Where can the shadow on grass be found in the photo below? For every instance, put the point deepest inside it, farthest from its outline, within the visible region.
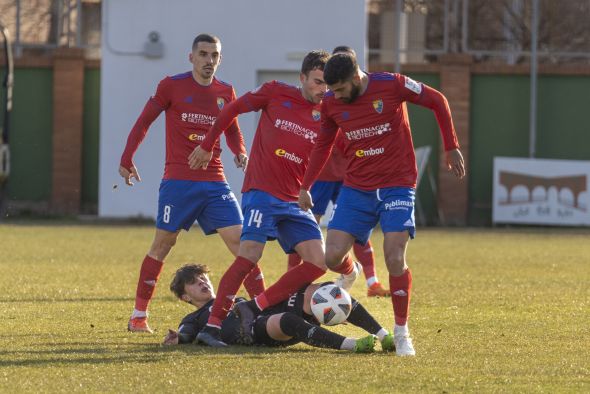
(77, 299)
(145, 353)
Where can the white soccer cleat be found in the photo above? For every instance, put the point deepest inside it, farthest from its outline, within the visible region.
(346, 281)
(403, 345)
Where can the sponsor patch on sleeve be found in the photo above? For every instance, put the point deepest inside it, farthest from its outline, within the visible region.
(414, 86)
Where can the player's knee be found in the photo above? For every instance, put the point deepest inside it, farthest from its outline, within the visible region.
(334, 256)
(290, 323)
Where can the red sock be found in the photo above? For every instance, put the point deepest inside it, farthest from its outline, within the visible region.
(293, 261)
(254, 282)
(346, 266)
(401, 288)
(228, 287)
(364, 255)
(148, 277)
(289, 283)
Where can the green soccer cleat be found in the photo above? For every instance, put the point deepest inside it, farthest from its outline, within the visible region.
(387, 344)
(365, 345)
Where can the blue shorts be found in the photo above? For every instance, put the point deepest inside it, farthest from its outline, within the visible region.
(322, 192)
(181, 203)
(268, 218)
(357, 211)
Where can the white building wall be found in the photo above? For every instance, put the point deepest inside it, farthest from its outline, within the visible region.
(259, 37)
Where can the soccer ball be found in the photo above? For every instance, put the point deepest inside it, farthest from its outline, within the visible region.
(331, 304)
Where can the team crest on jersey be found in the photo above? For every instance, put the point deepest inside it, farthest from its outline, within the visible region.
(316, 115)
(378, 105)
(345, 115)
(220, 102)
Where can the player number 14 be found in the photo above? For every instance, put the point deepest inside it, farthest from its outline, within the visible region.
(255, 217)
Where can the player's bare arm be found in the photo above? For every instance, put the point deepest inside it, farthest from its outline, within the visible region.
(127, 174)
(455, 163)
(305, 200)
(199, 158)
(241, 161)
(171, 338)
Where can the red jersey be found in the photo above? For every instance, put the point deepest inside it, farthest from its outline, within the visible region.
(335, 168)
(286, 133)
(377, 132)
(190, 109)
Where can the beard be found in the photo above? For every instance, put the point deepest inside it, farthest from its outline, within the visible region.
(354, 93)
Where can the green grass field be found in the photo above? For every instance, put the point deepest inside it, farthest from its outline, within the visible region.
(492, 311)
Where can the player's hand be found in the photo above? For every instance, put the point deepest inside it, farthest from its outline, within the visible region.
(171, 338)
(455, 163)
(305, 200)
(128, 174)
(199, 158)
(241, 161)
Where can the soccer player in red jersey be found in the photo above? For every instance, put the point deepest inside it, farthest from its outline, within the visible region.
(379, 185)
(191, 101)
(326, 189)
(287, 130)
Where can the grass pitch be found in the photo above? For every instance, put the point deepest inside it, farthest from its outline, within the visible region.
(492, 311)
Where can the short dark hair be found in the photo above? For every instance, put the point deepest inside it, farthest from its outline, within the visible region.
(314, 60)
(204, 37)
(185, 275)
(343, 49)
(340, 68)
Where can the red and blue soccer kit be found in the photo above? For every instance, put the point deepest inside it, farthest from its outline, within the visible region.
(380, 180)
(287, 130)
(187, 195)
(327, 187)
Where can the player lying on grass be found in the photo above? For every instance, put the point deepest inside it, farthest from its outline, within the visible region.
(285, 324)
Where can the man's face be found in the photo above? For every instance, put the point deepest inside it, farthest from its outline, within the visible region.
(347, 91)
(206, 58)
(313, 85)
(200, 291)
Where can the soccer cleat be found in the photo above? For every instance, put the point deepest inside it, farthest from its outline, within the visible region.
(377, 290)
(210, 336)
(139, 324)
(365, 345)
(403, 345)
(346, 281)
(246, 316)
(387, 344)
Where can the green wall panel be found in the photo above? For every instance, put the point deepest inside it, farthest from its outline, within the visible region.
(90, 138)
(563, 129)
(31, 127)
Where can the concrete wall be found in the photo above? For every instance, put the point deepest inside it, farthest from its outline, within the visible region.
(257, 36)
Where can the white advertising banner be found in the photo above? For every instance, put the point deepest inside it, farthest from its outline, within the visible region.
(540, 191)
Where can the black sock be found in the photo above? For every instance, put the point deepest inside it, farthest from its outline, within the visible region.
(363, 319)
(306, 332)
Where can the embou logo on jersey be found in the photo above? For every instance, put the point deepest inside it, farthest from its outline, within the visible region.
(289, 156)
(378, 105)
(220, 102)
(316, 115)
(345, 115)
(188, 99)
(196, 137)
(369, 152)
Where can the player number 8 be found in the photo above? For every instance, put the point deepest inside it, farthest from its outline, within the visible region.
(166, 217)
